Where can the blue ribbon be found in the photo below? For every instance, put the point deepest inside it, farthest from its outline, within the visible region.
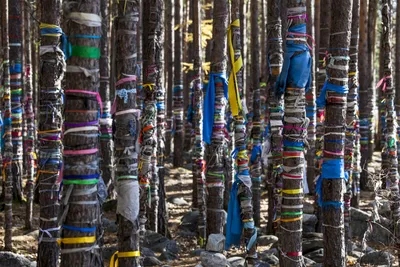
(15, 68)
(209, 102)
(80, 229)
(82, 177)
(234, 224)
(255, 152)
(321, 100)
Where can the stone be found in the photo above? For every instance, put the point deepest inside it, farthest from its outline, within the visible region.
(108, 252)
(236, 261)
(33, 264)
(309, 222)
(377, 258)
(190, 221)
(356, 254)
(312, 244)
(146, 252)
(10, 259)
(198, 265)
(34, 234)
(109, 226)
(211, 259)
(172, 247)
(273, 251)
(266, 240)
(196, 252)
(110, 205)
(308, 262)
(168, 256)
(151, 261)
(179, 201)
(313, 235)
(359, 215)
(154, 241)
(215, 243)
(270, 259)
(316, 255)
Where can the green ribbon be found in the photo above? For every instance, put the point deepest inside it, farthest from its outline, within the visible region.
(81, 182)
(85, 51)
(292, 213)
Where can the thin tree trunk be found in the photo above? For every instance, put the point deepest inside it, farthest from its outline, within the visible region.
(317, 21)
(178, 107)
(352, 130)
(397, 75)
(106, 142)
(325, 16)
(29, 138)
(335, 95)
(126, 134)
(311, 107)
(256, 138)
(275, 113)
(210, 42)
(294, 86)
(81, 214)
(264, 56)
(390, 167)
(199, 165)
(215, 122)
(169, 67)
(8, 147)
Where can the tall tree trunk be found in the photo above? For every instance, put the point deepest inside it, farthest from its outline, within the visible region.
(16, 71)
(169, 69)
(50, 121)
(325, 25)
(106, 142)
(214, 121)
(29, 138)
(126, 134)
(390, 167)
(199, 164)
(352, 130)
(275, 113)
(81, 216)
(255, 160)
(209, 16)
(178, 88)
(397, 76)
(7, 142)
(311, 107)
(317, 21)
(331, 182)
(293, 85)
(366, 96)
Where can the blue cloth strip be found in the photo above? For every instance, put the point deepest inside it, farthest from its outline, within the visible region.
(289, 143)
(321, 100)
(16, 68)
(79, 229)
(89, 176)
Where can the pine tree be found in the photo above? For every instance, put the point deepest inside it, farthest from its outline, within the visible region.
(169, 71)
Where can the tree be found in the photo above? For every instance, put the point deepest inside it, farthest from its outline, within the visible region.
(275, 113)
(331, 183)
(397, 74)
(293, 84)
(178, 87)
(126, 135)
(106, 142)
(199, 163)
(351, 163)
(81, 217)
(256, 138)
(7, 142)
(214, 121)
(169, 70)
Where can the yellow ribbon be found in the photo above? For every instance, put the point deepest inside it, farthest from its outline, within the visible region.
(76, 240)
(117, 254)
(150, 85)
(291, 219)
(49, 26)
(233, 90)
(293, 191)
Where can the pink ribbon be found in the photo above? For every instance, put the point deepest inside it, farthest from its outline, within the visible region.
(383, 81)
(303, 35)
(98, 97)
(81, 152)
(125, 80)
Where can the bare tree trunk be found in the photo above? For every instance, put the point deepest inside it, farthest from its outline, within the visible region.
(178, 89)
(169, 69)
(82, 182)
(275, 113)
(126, 134)
(214, 121)
(352, 130)
(29, 138)
(7, 142)
(311, 106)
(331, 183)
(106, 142)
(397, 75)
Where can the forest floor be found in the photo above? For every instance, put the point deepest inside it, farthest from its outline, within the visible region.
(178, 185)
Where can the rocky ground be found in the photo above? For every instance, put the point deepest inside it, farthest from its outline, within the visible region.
(182, 250)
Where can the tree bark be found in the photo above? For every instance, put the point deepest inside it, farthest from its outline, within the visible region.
(178, 88)
(332, 176)
(397, 76)
(215, 149)
(126, 134)
(169, 68)
(82, 182)
(275, 113)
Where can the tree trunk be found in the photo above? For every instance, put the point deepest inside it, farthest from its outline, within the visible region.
(82, 182)
(106, 142)
(178, 89)
(352, 130)
(397, 75)
(29, 138)
(275, 114)
(7, 142)
(390, 167)
(333, 176)
(199, 164)
(325, 16)
(169, 67)
(126, 134)
(311, 107)
(16, 71)
(215, 119)
(294, 86)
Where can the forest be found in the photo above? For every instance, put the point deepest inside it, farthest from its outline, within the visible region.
(199, 133)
